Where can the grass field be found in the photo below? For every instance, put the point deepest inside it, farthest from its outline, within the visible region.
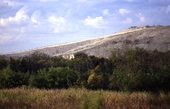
(23, 98)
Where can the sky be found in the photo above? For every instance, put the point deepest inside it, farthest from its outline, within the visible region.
(28, 24)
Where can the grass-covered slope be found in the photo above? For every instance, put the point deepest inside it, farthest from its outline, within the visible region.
(148, 37)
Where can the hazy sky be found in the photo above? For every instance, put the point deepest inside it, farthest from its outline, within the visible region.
(26, 24)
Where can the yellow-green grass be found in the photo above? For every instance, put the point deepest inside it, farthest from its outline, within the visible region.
(22, 98)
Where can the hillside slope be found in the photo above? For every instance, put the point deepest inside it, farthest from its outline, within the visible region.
(147, 37)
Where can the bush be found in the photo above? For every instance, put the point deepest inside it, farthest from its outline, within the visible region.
(10, 79)
(136, 70)
(3, 63)
(141, 70)
(58, 77)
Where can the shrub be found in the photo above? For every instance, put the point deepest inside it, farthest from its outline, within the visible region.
(10, 79)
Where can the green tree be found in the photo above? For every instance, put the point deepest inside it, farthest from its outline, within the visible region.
(58, 77)
(3, 63)
(10, 79)
(97, 79)
(61, 77)
(139, 69)
(40, 80)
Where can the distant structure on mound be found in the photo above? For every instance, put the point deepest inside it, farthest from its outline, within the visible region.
(146, 37)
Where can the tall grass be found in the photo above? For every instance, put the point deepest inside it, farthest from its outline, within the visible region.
(21, 98)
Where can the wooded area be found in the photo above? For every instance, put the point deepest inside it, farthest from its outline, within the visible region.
(136, 70)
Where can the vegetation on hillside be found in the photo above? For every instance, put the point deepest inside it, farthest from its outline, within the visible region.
(136, 70)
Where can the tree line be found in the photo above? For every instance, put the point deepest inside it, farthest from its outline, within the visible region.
(135, 70)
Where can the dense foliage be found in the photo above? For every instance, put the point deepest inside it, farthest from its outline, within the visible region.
(136, 70)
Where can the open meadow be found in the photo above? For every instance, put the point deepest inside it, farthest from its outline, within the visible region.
(25, 98)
